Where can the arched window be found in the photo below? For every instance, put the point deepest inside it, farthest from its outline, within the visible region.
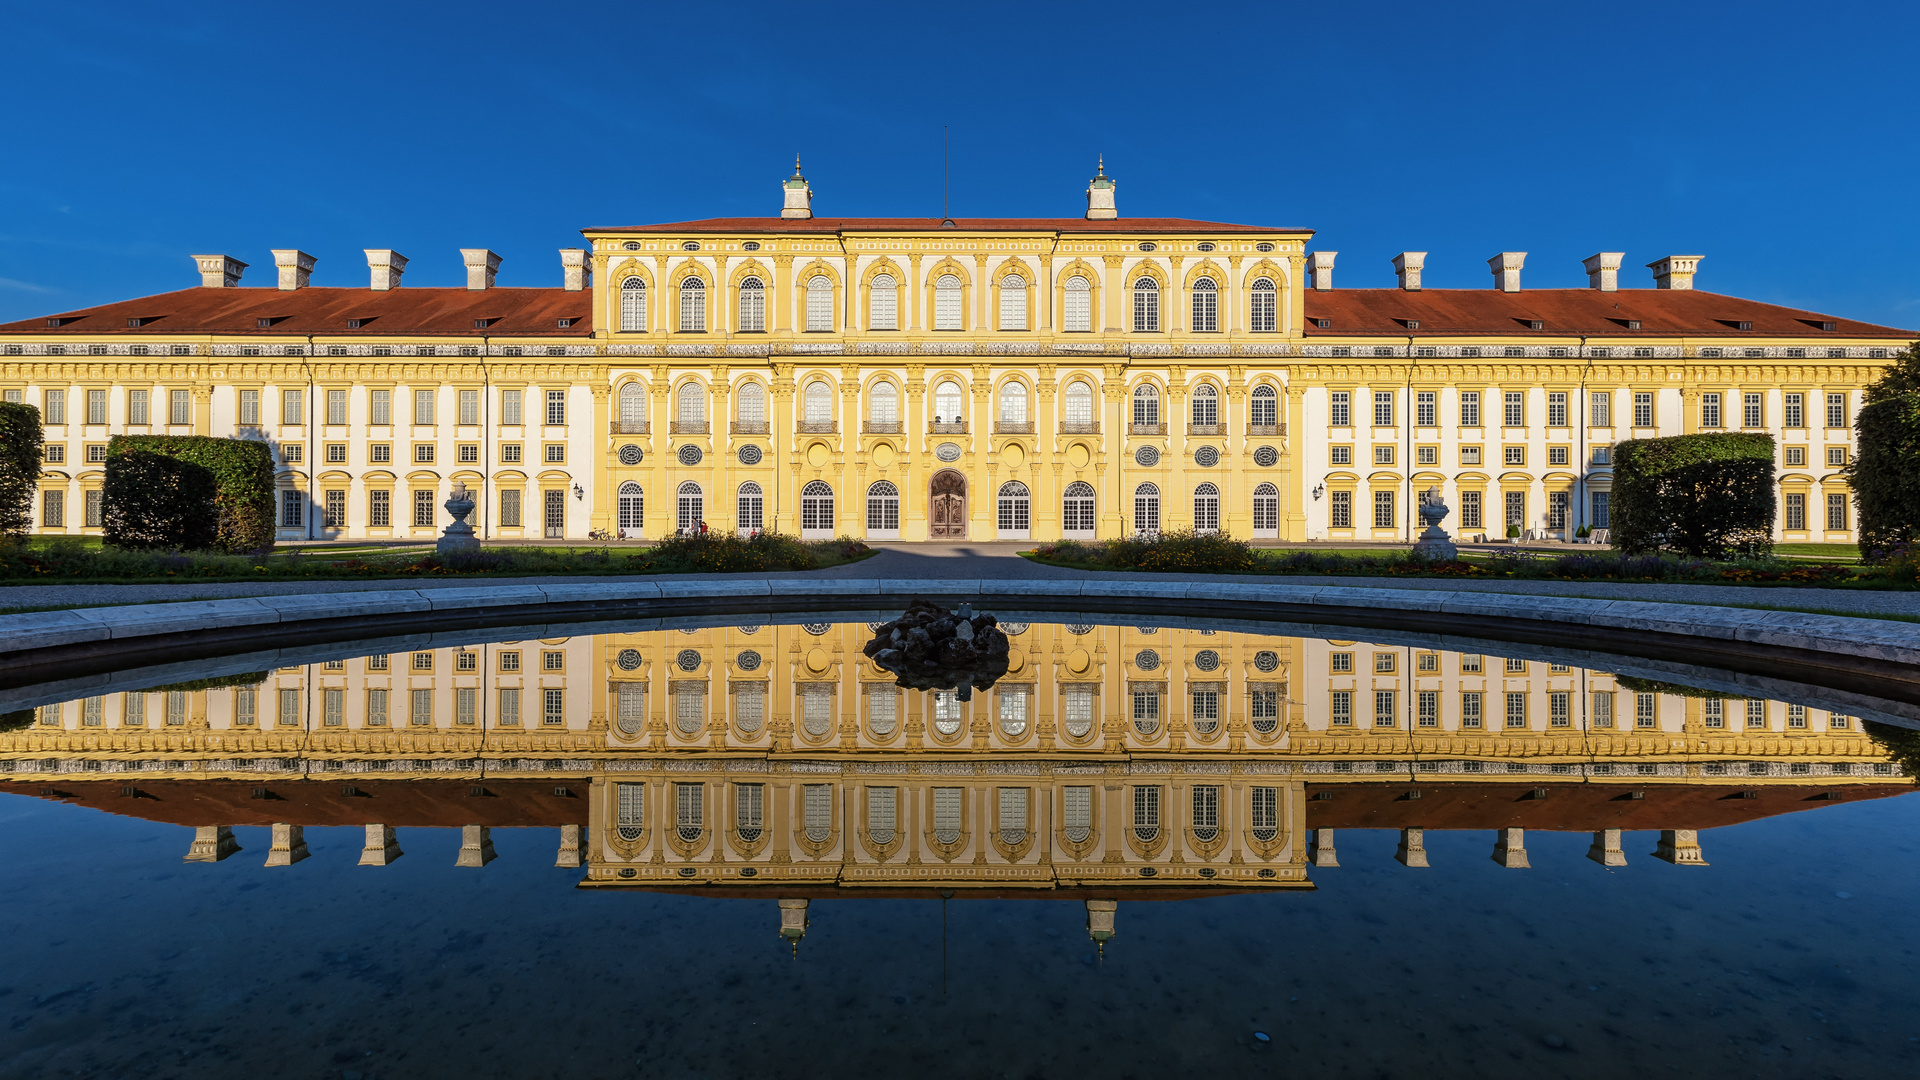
(820, 302)
(1266, 511)
(1206, 306)
(1146, 509)
(883, 305)
(883, 511)
(752, 509)
(1206, 405)
(1078, 412)
(946, 303)
(633, 304)
(691, 508)
(1146, 405)
(1264, 408)
(633, 507)
(816, 511)
(633, 409)
(1076, 511)
(753, 408)
(883, 408)
(1013, 302)
(753, 306)
(1077, 314)
(819, 403)
(1261, 311)
(947, 407)
(1146, 305)
(690, 408)
(1015, 510)
(1013, 406)
(1206, 508)
(693, 304)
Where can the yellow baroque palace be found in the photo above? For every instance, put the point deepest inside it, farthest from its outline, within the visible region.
(913, 379)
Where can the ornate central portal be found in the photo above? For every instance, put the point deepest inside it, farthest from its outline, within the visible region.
(948, 509)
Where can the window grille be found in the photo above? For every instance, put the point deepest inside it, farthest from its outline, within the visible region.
(883, 709)
(820, 302)
(1516, 709)
(1077, 814)
(1204, 710)
(753, 305)
(1146, 405)
(1079, 711)
(946, 814)
(816, 507)
(883, 405)
(1470, 408)
(1206, 508)
(693, 305)
(749, 709)
(1206, 406)
(1206, 813)
(818, 809)
(1146, 814)
(689, 805)
(1146, 709)
(1383, 515)
(946, 303)
(690, 508)
(630, 810)
(946, 712)
(1383, 408)
(749, 811)
(1263, 308)
(1514, 405)
(1013, 505)
(633, 305)
(555, 712)
(1206, 306)
(883, 304)
(1603, 708)
(881, 814)
(1146, 305)
(1265, 816)
(1013, 815)
(1013, 302)
(1146, 509)
(1470, 709)
(1077, 311)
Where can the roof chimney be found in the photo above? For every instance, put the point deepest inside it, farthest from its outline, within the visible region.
(1506, 269)
(1675, 271)
(1603, 270)
(799, 202)
(481, 266)
(574, 275)
(1320, 270)
(296, 268)
(387, 266)
(219, 271)
(1408, 265)
(1100, 205)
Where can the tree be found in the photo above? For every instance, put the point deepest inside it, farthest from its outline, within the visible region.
(243, 479)
(20, 450)
(1709, 496)
(1885, 472)
(155, 501)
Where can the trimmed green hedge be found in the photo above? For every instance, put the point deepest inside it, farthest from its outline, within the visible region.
(20, 450)
(1710, 496)
(242, 476)
(1885, 476)
(157, 503)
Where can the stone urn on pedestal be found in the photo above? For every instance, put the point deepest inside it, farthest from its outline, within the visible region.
(1434, 545)
(458, 537)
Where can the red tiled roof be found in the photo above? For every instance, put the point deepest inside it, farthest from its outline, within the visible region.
(1564, 312)
(1566, 807)
(326, 310)
(764, 225)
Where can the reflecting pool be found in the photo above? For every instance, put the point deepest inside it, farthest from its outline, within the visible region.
(1145, 849)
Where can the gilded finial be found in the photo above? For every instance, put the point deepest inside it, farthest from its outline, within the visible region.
(1101, 170)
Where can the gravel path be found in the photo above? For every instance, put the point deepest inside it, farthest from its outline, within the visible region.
(997, 560)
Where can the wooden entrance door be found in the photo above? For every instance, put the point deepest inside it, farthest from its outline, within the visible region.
(948, 512)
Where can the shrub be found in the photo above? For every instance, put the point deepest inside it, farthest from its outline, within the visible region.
(157, 502)
(243, 482)
(1885, 475)
(20, 449)
(1705, 495)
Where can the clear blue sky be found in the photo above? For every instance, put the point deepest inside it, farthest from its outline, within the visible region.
(1778, 140)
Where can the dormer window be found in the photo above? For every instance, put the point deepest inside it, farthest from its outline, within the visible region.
(58, 321)
(134, 324)
(1323, 324)
(563, 323)
(1536, 324)
(482, 324)
(1743, 325)
(263, 324)
(1633, 324)
(355, 324)
(1411, 324)
(1829, 326)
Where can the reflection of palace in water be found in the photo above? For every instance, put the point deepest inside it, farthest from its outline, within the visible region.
(1108, 761)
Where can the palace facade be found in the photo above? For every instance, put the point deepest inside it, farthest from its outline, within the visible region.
(913, 379)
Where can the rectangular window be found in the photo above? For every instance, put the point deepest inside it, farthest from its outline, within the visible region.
(510, 660)
(56, 409)
(1643, 410)
(1342, 712)
(1836, 410)
(1517, 509)
(1516, 709)
(377, 663)
(556, 453)
(293, 508)
(94, 507)
(1796, 512)
(1836, 512)
(1383, 708)
(1470, 408)
(382, 407)
(1794, 455)
(1713, 713)
(1836, 455)
(1750, 411)
(1426, 455)
(380, 509)
(1556, 410)
(947, 815)
(1796, 716)
(1602, 510)
(1644, 715)
(246, 705)
(1756, 713)
(510, 453)
(333, 707)
(1515, 455)
(55, 453)
(336, 453)
(553, 660)
(1340, 512)
(1709, 410)
(510, 508)
(1264, 705)
(1600, 409)
(469, 407)
(380, 453)
(292, 453)
(510, 707)
(249, 407)
(135, 713)
(1383, 663)
(1560, 708)
(555, 712)
(422, 508)
(1383, 408)
(336, 407)
(177, 708)
(1514, 404)
(1340, 455)
(1839, 722)
(510, 407)
(336, 509)
(423, 407)
(293, 407)
(1603, 708)
(1470, 517)
(181, 407)
(1383, 516)
(1794, 410)
(1557, 509)
(1515, 666)
(1383, 454)
(1469, 455)
(468, 453)
(1471, 664)
(96, 406)
(423, 453)
(289, 711)
(556, 408)
(1429, 708)
(1559, 455)
(1338, 413)
(1341, 662)
(1425, 413)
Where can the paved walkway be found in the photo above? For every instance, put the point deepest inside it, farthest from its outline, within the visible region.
(1000, 561)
